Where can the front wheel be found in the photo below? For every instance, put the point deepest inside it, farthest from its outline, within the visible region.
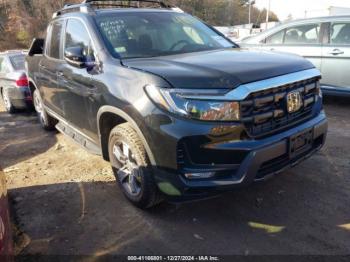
(46, 121)
(132, 168)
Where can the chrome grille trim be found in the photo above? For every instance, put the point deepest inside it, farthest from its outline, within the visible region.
(243, 91)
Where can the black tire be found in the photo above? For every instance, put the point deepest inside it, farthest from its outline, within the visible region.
(7, 103)
(46, 121)
(136, 169)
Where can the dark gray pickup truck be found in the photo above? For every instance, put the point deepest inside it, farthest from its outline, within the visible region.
(180, 111)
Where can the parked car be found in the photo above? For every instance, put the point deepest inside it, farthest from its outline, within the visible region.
(179, 110)
(14, 89)
(5, 225)
(324, 41)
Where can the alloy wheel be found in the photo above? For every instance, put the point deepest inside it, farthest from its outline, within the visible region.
(129, 174)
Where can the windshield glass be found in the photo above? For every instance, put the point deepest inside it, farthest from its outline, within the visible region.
(18, 62)
(149, 34)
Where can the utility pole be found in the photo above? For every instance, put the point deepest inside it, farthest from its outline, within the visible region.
(267, 13)
(250, 3)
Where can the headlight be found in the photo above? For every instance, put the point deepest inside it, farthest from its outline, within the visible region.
(180, 102)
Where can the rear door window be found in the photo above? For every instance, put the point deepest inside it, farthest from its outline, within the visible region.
(340, 33)
(54, 47)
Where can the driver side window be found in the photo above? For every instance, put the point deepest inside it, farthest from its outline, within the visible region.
(77, 36)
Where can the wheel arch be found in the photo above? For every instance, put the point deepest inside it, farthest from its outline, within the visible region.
(114, 117)
(32, 86)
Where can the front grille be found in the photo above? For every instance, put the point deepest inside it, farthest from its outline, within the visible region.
(265, 112)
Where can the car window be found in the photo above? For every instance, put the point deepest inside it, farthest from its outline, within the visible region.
(340, 33)
(55, 49)
(17, 62)
(303, 34)
(77, 36)
(3, 66)
(275, 39)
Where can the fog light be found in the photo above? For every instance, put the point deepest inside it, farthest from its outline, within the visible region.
(199, 175)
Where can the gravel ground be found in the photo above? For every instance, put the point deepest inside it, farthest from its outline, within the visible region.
(66, 201)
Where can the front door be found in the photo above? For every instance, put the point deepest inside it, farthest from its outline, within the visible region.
(78, 83)
(336, 56)
(303, 40)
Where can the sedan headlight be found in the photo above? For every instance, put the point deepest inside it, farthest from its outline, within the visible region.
(195, 104)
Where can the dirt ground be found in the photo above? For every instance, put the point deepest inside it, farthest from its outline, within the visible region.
(66, 201)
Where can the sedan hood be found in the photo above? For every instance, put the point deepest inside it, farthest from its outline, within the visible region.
(219, 68)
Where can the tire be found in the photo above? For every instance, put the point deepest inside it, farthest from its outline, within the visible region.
(7, 103)
(132, 168)
(46, 121)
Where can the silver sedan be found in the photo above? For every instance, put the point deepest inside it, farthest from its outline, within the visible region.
(14, 89)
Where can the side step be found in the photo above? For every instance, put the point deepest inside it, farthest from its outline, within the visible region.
(78, 138)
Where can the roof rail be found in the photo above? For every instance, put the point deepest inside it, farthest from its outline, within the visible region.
(15, 51)
(90, 5)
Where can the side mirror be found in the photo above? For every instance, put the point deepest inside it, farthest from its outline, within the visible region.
(75, 57)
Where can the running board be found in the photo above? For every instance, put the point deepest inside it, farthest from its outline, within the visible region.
(78, 138)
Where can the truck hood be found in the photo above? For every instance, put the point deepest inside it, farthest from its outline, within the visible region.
(226, 68)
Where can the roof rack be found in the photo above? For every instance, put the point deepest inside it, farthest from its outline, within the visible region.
(90, 5)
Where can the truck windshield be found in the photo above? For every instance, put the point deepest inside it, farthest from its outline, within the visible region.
(151, 34)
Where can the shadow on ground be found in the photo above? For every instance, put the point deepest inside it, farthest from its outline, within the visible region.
(304, 212)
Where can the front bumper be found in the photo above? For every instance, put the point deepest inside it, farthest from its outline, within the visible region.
(256, 160)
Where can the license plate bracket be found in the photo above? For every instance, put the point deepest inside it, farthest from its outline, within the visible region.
(300, 143)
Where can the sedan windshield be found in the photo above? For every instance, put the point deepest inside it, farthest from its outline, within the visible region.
(150, 34)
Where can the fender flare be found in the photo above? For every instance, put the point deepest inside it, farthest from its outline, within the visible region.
(122, 114)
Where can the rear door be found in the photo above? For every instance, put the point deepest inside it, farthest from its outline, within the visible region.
(50, 66)
(301, 39)
(336, 55)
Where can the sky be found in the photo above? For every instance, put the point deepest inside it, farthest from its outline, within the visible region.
(297, 7)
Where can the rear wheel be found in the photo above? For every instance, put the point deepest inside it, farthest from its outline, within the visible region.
(7, 103)
(132, 168)
(46, 121)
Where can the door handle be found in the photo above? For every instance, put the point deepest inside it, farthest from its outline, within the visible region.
(60, 74)
(336, 52)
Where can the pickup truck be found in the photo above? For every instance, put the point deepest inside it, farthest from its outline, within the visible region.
(180, 111)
